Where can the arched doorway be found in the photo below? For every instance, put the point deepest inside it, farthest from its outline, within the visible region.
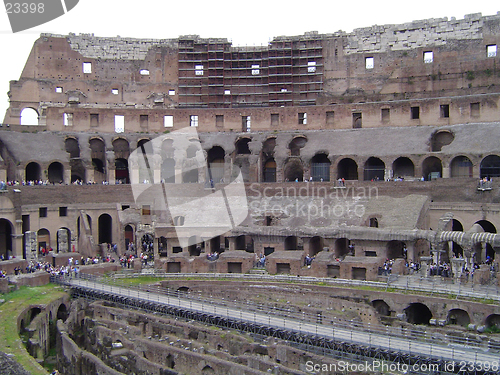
(98, 156)
(215, 160)
(490, 166)
(6, 231)
(269, 170)
(29, 116)
(432, 168)
(129, 238)
(458, 317)
(33, 172)
(461, 166)
(403, 168)
(43, 236)
(418, 313)
(320, 167)
(347, 169)
(105, 223)
(294, 170)
(78, 172)
(56, 173)
(374, 169)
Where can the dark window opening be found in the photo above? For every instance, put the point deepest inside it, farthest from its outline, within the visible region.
(415, 113)
(356, 120)
(444, 110)
(474, 109)
(42, 212)
(63, 211)
(330, 117)
(386, 114)
(303, 118)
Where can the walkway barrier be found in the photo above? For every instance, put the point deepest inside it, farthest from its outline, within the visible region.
(348, 340)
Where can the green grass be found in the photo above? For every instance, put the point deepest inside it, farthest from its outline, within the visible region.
(15, 303)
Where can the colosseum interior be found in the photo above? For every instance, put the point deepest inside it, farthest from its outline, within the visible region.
(333, 156)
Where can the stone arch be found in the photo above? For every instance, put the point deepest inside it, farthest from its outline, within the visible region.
(55, 173)
(492, 320)
(242, 146)
(374, 169)
(422, 247)
(105, 225)
(62, 312)
(6, 232)
(33, 172)
(458, 317)
(296, 144)
(381, 307)
(121, 148)
(77, 168)
(461, 166)
(129, 235)
(98, 157)
(320, 167)
(432, 168)
(403, 167)
(269, 170)
(268, 146)
(215, 164)
(490, 166)
(294, 170)
(347, 169)
(441, 138)
(80, 225)
(29, 116)
(43, 236)
(373, 222)
(418, 313)
(207, 370)
(488, 227)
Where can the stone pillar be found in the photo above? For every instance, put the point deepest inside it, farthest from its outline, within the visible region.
(424, 265)
(232, 243)
(457, 265)
(446, 172)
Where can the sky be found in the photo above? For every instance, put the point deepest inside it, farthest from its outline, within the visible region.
(245, 23)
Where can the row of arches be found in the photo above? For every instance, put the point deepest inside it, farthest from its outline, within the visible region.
(419, 313)
(293, 168)
(375, 169)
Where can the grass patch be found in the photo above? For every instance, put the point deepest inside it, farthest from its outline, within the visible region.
(15, 303)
